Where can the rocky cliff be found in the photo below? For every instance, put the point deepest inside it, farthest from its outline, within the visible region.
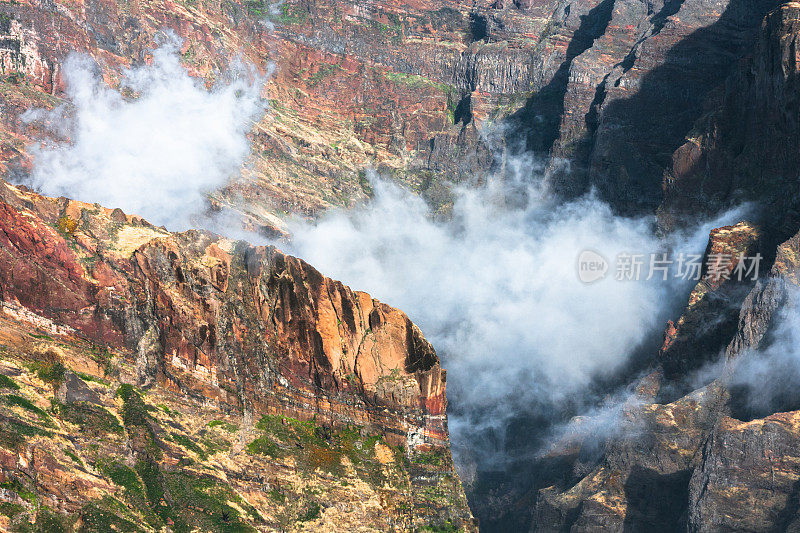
(719, 457)
(746, 146)
(706, 461)
(612, 87)
(152, 379)
(246, 369)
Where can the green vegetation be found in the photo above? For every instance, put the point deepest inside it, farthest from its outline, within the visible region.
(49, 369)
(74, 457)
(52, 373)
(19, 401)
(104, 358)
(104, 516)
(451, 108)
(288, 13)
(11, 509)
(189, 55)
(400, 456)
(197, 503)
(265, 446)
(415, 81)
(215, 445)
(154, 489)
(5, 22)
(88, 377)
(182, 499)
(445, 527)
(286, 428)
(311, 512)
(15, 77)
(418, 82)
(226, 426)
(134, 494)
(435, 457)
(190, 445)
(291, 14)
(13, 432)
(257, 8)
(393, 30)
(8, 383)
(315, 446)
(323, 72)
(47, 521)
(123, 476)
(138, 421)
(16, 486)
(277, 496)
(363, 182)
(167, 410)
(24, 403)
(92, 419)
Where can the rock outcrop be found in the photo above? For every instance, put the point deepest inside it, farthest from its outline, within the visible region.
(703, 462)
(746, 147)
(226, 383)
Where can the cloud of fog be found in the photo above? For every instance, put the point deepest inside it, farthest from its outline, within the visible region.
(769, 377)
(615, 415)
(496, 290)
(157, 154)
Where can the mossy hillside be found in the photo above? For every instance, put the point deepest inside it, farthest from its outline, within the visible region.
(150, 496)
(189, 502)
(14, 400)
(158, 457)
(20, 418)
(90, 418)
(14, 433)
(138, 422)
(8, 383)
(316, 446)
(225, 426)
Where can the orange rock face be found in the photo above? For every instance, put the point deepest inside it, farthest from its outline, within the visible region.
(234, 330)
(244, 326)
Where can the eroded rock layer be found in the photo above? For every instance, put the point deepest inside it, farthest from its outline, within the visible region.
(153, 379)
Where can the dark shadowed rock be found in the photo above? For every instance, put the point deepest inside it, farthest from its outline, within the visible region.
(74, 389)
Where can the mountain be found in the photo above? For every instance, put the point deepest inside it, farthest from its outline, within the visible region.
(613, 86)
(154, 379)
(211, 360)
(720, 457)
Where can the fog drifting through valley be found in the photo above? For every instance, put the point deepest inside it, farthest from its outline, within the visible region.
(495, 288)
(496, 291)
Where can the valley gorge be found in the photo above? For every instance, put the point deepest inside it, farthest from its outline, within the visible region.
(160, 378)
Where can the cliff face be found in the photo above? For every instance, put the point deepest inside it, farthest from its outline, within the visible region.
(706, 461)
(746, 147)
(711, 460)
(611, 86)
(693, 451)
(156, 379)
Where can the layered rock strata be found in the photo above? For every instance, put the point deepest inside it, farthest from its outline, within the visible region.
(135, 360)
